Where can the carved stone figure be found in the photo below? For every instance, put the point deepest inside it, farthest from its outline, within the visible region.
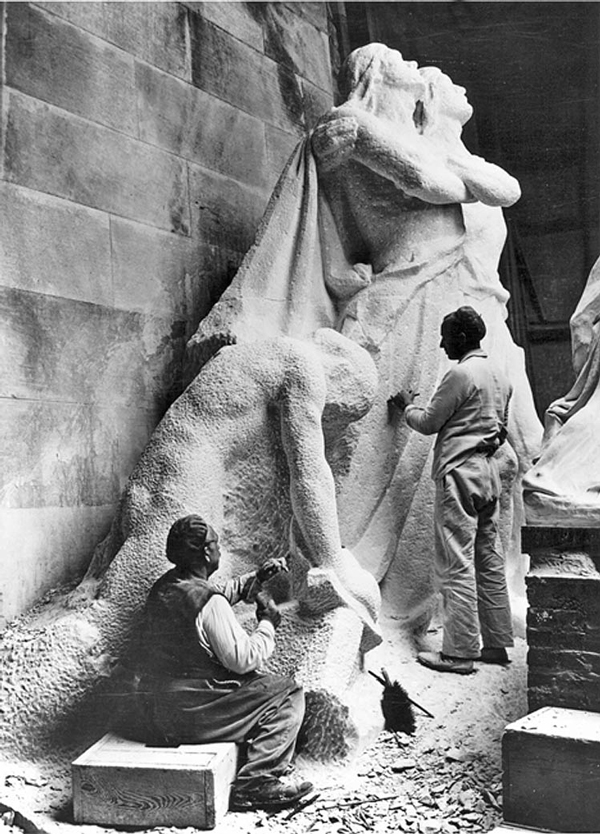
(445, 111)
(398, 178)
(364, 234)
(563, 488)
(244, 444)
(398, 224)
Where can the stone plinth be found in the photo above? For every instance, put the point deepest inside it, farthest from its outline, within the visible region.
(118, 782)
(551, 770)
(563, 619)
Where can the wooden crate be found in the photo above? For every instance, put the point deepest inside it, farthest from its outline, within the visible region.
(126, 783)
(551, 770)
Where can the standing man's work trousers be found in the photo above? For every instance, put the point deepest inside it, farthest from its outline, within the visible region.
(469, 564)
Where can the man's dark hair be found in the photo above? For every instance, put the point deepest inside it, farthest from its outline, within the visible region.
(467, 321)
(186, 537)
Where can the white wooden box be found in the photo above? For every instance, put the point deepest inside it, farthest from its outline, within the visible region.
(120, 782)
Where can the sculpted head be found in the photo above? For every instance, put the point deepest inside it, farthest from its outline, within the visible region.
(443, 100)
(193, 543)
(375, 65)
(350, 374)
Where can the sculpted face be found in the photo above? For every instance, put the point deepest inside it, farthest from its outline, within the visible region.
(451, 98)
(401, 73)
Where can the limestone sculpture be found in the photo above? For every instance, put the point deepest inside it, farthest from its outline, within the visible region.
(423, 245)
(364, 234)
(244, 444)
(563, 488)
(395, 218)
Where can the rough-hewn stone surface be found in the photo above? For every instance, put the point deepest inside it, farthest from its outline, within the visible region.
(140, 143)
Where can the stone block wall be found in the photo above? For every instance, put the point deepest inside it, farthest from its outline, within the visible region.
(140, 143)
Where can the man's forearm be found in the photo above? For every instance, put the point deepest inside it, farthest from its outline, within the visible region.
(238, 587)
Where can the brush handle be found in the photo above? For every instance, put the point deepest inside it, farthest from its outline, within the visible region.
(426, 711)
(377, 678)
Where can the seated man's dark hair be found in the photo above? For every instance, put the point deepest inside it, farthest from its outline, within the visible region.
(186, 537)
(467, 321)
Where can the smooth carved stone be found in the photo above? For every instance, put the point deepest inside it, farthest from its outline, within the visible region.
(563, 488)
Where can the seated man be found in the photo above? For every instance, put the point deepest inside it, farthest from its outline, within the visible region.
(198, 672)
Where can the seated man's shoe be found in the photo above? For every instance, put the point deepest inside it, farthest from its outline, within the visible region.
(269, 795)
(498, 656)
(444, 663)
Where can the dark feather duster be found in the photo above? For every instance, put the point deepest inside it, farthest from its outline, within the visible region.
(396, 706)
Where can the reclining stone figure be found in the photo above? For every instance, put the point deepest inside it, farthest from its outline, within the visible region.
(245, 446)
(244, 443)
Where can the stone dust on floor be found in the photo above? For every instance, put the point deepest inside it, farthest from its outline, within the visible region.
(445, 778)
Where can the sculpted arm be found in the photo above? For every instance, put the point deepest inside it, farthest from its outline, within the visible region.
(488, 183)
(408, 161)
(311, 481)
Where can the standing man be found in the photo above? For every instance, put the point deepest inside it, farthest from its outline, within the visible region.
(198, 672)
(469, 412)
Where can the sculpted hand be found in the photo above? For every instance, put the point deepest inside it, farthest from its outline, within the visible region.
(266, 609)
(271, 568)
(333, 142)
(403, 398)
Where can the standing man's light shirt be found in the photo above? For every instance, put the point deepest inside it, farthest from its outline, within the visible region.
(468, 411)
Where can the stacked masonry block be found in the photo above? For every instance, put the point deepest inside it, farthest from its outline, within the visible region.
(563, 619)
(139, 146)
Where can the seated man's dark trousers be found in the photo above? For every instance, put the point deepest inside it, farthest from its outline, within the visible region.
(188, 697)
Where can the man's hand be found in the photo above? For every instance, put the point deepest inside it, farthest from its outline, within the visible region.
(266, 609)
(270, 569)
(403, 398)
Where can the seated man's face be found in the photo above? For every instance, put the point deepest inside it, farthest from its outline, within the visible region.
(212, 551)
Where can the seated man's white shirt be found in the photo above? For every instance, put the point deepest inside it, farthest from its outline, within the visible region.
(220, 634)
